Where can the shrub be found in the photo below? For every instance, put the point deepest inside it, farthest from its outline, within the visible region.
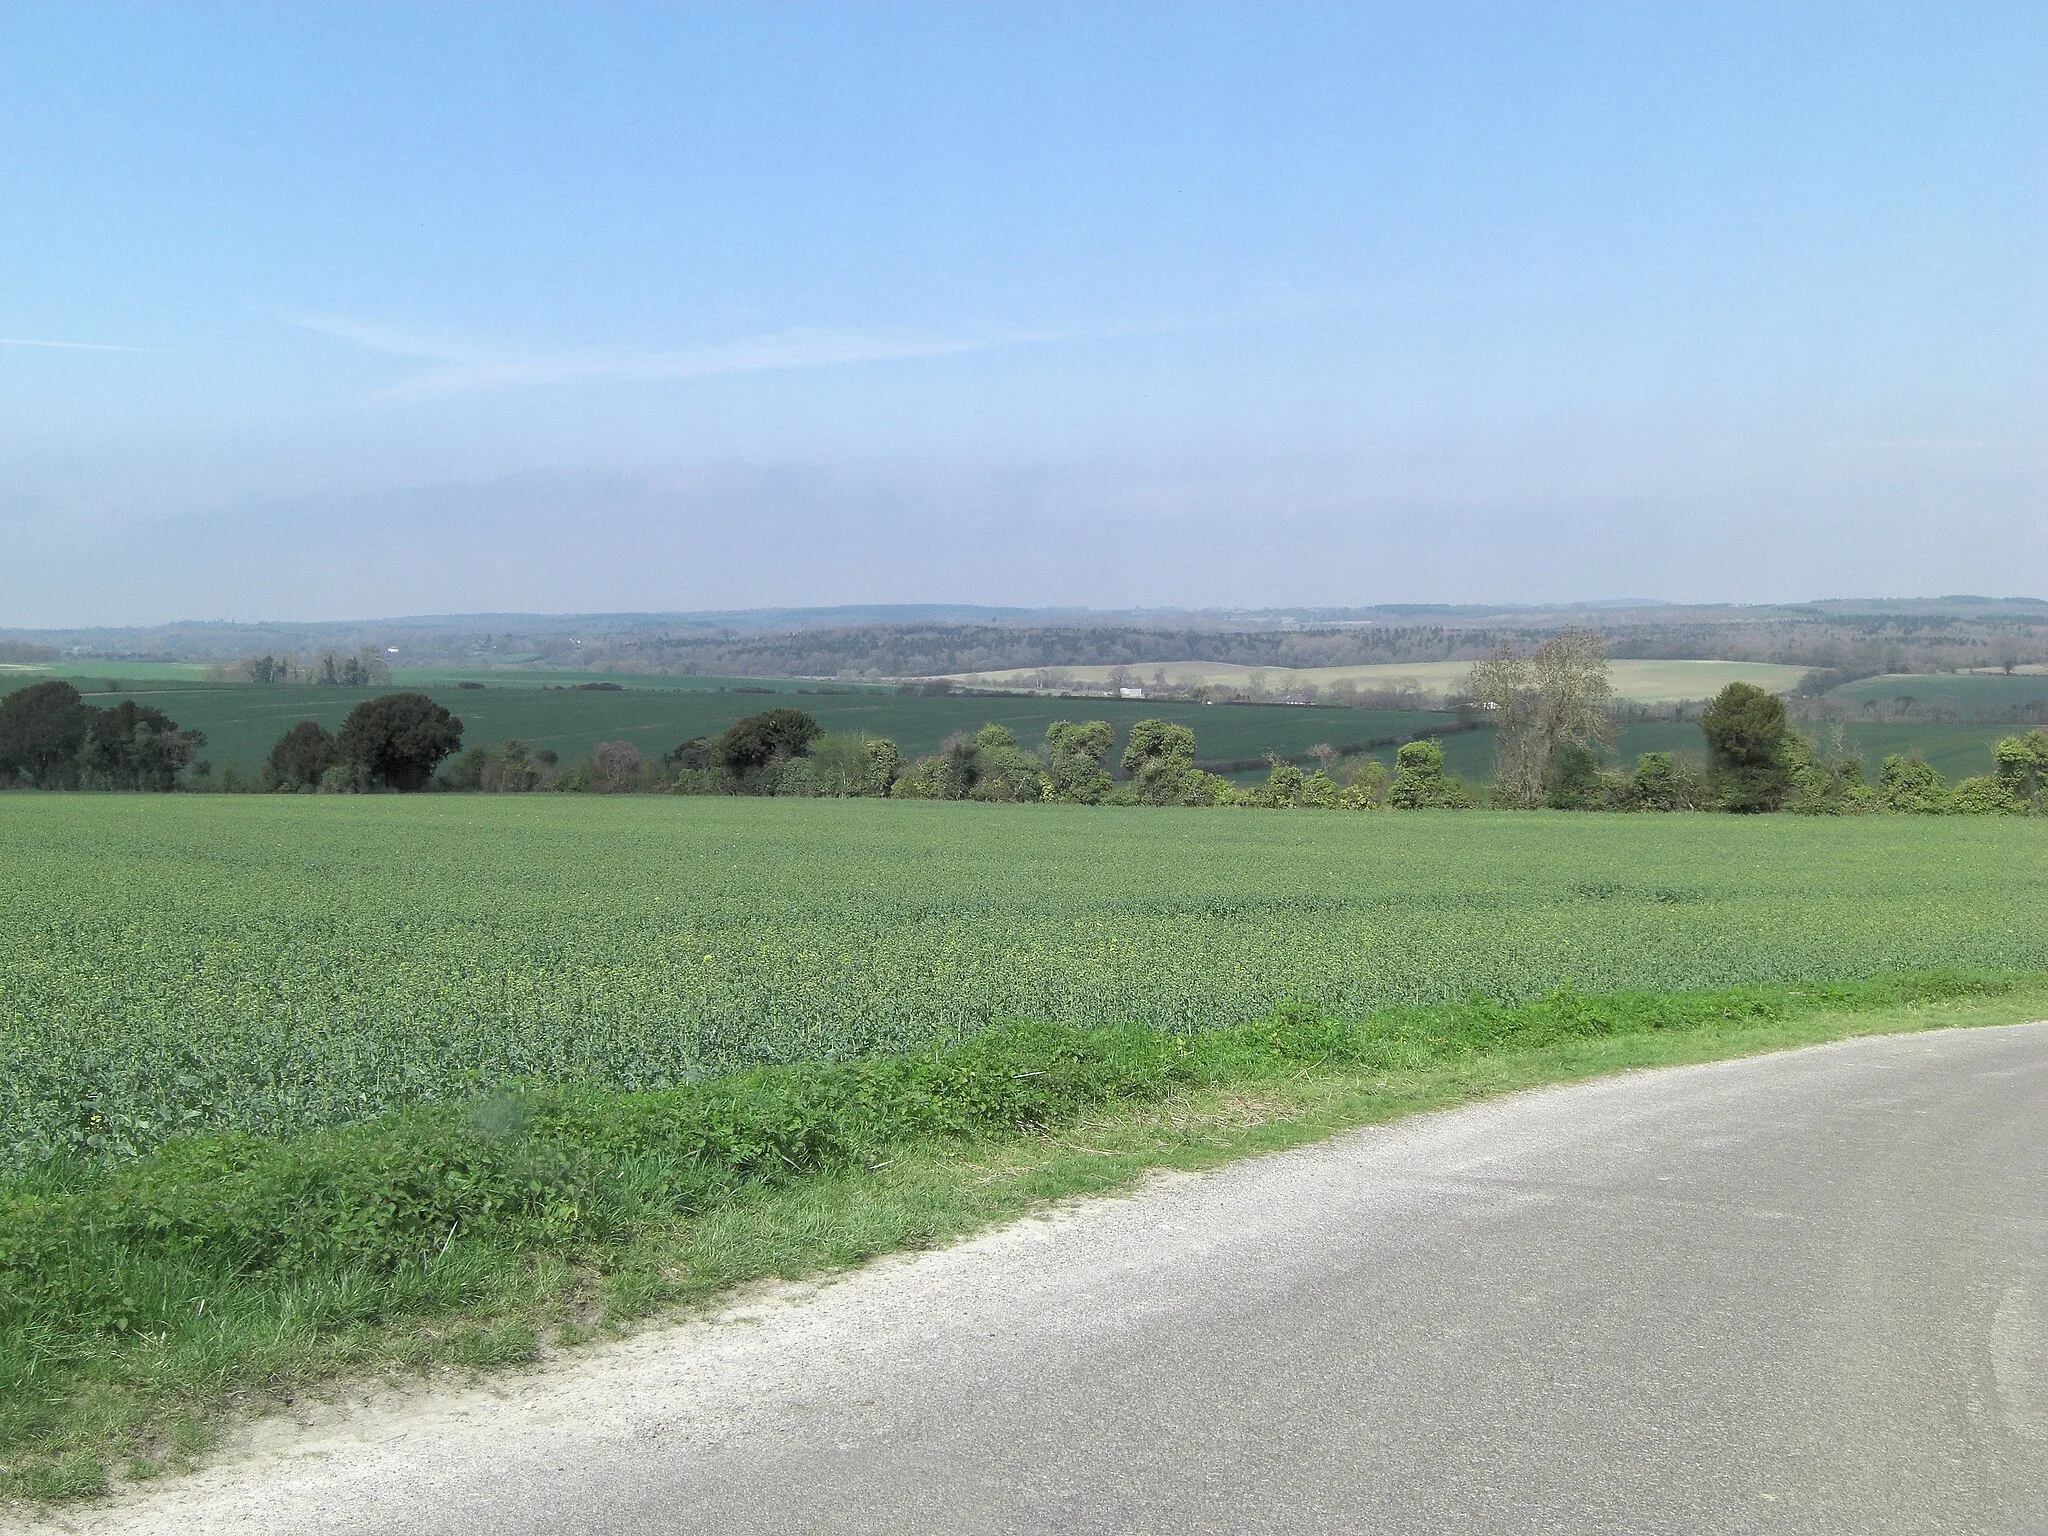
(1665, 781)
(613, 767)
(1159, 756)
(2023, 764)
(1573, 780)
(1912, 785)
(1420, 782)
(1826, 784)
(1075, 755)
(1000, 770)
(1986, 795)
(1365, 786)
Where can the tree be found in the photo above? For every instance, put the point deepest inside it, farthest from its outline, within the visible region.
(365, 669)
(614, 767)
(1074, 759)
(1420, 782)
(1746, 730)
(135, 746)
(746, 748)
(1542, 705)
(1504, 686)
(300, 759)
(1159, 755)
(397, 740)
(42, 728)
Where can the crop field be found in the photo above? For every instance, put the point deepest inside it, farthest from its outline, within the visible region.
(242, 721)
(275, 964)
(1981, 695)
(1648, 682)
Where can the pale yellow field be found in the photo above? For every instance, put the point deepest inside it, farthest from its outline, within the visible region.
(1648, 682)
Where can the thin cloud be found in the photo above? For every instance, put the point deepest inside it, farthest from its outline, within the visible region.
(461, 367)
(76, 346)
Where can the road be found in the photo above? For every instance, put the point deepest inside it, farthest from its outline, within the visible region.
(1801, 1293)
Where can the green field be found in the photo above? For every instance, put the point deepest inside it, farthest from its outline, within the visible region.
(242, 721)
(1981, 695)
(274, 964)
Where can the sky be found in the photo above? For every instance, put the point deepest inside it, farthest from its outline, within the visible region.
(358, 310)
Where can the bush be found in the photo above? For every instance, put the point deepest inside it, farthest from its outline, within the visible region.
(1912, 785)
(1986, 795)
(1826, 784)
(1420, 782)
(1573, 781)
(2022, 765)
(1075, 758)
(1665, 781)
(1159, 755)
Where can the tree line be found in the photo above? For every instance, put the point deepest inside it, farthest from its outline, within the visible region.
(1549, 708)
(1552, 713)
(50, 738)
(367, 668)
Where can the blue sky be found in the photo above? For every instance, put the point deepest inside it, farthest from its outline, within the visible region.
(325, 311)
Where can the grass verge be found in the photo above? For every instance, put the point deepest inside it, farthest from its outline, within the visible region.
(143, 1304)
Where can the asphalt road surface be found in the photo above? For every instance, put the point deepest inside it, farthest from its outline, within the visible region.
(1802, 1293)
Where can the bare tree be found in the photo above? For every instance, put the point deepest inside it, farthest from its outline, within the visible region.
(1540, 703)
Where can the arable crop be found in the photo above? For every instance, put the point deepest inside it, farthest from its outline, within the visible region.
(277, 964)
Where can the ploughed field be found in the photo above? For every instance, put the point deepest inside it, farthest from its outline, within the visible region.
(272, 964)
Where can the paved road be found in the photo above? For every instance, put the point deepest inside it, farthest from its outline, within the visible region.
(1801, 1294)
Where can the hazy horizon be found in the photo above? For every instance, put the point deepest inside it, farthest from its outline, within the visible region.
(326, 314)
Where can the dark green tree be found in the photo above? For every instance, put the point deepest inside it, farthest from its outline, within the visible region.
(398, 739)
(1746, 731)
(42, 728)
(134, 746)
(301, 756)
(747, 748)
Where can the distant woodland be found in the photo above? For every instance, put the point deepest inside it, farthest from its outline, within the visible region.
(1838, 641)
